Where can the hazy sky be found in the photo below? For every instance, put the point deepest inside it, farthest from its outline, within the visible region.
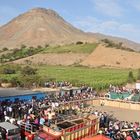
(112, 17)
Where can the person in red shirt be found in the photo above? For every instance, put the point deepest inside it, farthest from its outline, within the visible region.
(128, 137)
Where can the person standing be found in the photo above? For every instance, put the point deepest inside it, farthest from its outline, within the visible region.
(50, 115)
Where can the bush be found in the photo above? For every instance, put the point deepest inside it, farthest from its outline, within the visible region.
(8, 71)
(79, 42)
(46, 45)
(131, 78)
(28, 71)
(138, 76)
(5, 49)
(23, 46)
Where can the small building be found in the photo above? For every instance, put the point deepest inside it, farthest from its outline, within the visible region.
(70, 90)
(59, 91)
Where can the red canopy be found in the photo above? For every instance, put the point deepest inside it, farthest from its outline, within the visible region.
(98, 137)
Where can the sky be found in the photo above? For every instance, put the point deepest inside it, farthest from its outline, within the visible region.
(112, 17)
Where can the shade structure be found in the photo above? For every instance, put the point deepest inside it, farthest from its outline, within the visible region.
(98, 137)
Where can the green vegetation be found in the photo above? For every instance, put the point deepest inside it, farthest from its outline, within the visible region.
(26, 71)
(24, 51)
(97, 78)
(74, 48)
(5, 49)
(119, 45)
(131, 78)
(19, 53)
(138, 76)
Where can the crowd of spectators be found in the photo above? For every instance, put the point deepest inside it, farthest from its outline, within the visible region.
(122, 89)
(116, 129)
(45, 112)
(42, 108)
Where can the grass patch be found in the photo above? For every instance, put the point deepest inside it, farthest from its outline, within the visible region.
(73, 48)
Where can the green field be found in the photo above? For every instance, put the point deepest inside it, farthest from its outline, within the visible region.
(99, 78)
(74, 48)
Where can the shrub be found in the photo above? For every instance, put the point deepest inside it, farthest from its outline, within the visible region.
(46, 45)
(5, 49)
(79, 42)
(28, 71)
(138, 76)
(8, 71)
(131, 78)
(23, 46)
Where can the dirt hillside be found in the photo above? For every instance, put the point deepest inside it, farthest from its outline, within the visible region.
(53, 59)
(40, 26)
(111, 57)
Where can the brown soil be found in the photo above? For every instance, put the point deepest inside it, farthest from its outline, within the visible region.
(110, 57)
(121, 114)
(53, 59)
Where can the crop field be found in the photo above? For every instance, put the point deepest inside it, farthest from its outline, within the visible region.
(99, 78)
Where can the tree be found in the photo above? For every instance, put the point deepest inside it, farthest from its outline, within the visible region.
(28, 71)
(138, 76)
(131, 78)
(5, 49)
(14, 81)
(79, 42)
(29, 80)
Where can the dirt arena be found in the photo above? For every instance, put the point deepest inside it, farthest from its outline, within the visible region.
(121, 114)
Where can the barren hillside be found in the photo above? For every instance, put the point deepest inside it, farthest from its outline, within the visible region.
(110, 57)
(64, 59)
(40, 26)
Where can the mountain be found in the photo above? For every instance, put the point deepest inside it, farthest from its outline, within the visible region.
(40, 26)
(126, 43)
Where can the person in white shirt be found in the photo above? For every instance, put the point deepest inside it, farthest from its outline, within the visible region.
(12, 120)
(7, 118)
